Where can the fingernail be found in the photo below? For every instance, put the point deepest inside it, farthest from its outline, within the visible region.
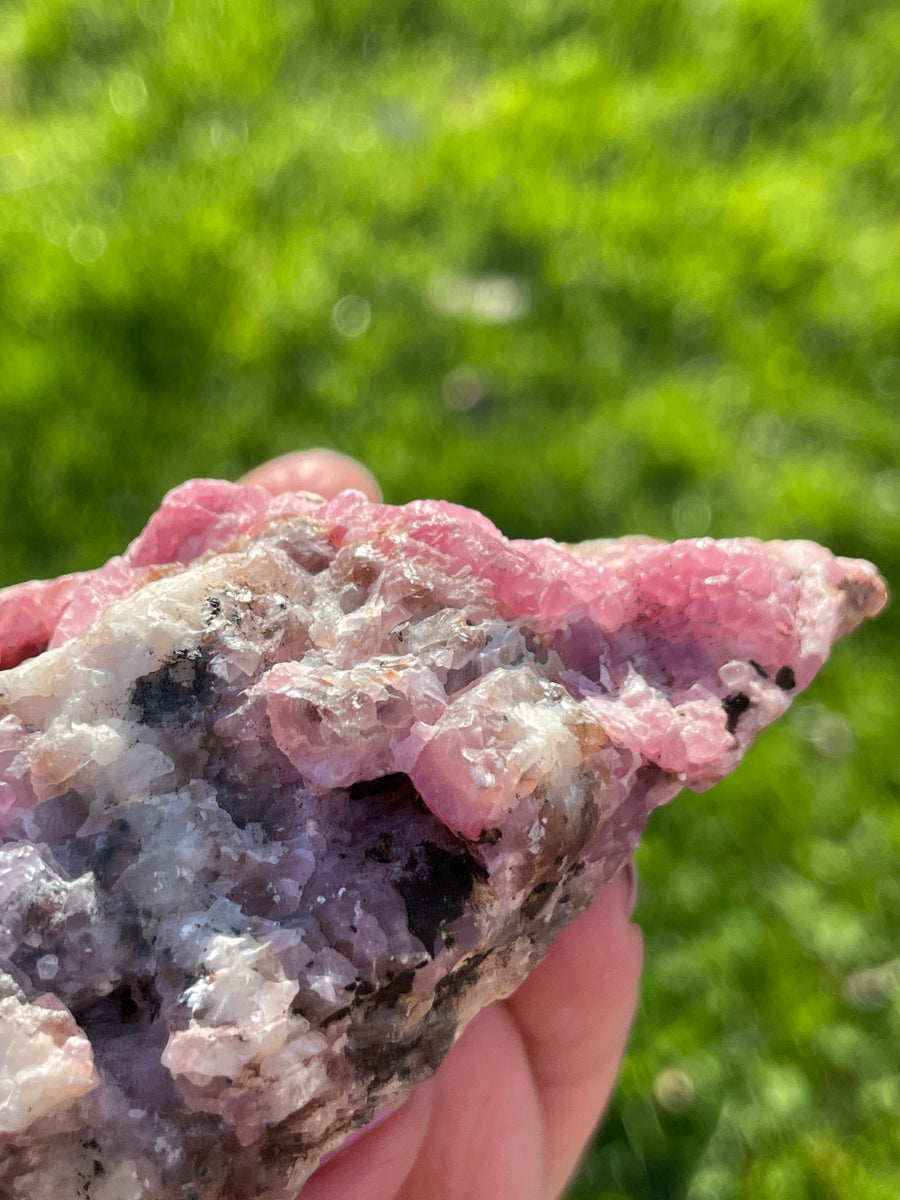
(324, 472)
(630, 872)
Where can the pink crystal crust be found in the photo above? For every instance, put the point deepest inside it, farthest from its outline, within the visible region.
(292, 788)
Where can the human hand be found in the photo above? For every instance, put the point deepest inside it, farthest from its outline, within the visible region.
(510, 1110)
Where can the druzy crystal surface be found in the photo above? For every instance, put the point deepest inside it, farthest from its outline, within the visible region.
(292, 788)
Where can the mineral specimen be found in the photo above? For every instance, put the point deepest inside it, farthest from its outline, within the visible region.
(293, 787)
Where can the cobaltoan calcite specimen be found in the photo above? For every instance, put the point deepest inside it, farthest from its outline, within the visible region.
(293, 788)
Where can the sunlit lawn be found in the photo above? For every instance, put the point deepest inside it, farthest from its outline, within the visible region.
(594, 268)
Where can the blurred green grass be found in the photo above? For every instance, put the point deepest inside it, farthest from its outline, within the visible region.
(594, 268)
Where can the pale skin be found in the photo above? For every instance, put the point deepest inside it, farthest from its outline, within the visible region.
(512, 1107)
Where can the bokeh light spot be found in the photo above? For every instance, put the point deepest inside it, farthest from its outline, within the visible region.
(485, 299)
(87, 243)
(691, 516)
(873, 988)
(766, 433)
(887, 491)
(463, 388)
(154, 12)
(673, 1090)
(351, 316)
(828, 731)
(128, 94)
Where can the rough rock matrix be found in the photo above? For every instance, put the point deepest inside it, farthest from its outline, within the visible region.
(293, 788)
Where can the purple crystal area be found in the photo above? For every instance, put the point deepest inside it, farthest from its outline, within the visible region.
(292, 788)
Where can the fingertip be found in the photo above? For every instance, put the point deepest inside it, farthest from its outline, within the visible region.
(373, 1164)
(325, 472)
(578, 1004)
(574, 1013)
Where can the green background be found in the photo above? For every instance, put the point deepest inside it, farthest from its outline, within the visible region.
(595, 267)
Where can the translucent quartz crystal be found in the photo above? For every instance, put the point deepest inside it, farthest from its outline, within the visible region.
(292, 788)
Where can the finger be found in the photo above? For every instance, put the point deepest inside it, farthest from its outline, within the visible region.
(324, 472)
(374, 1165)
(574, 1014)
(484, 1136)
